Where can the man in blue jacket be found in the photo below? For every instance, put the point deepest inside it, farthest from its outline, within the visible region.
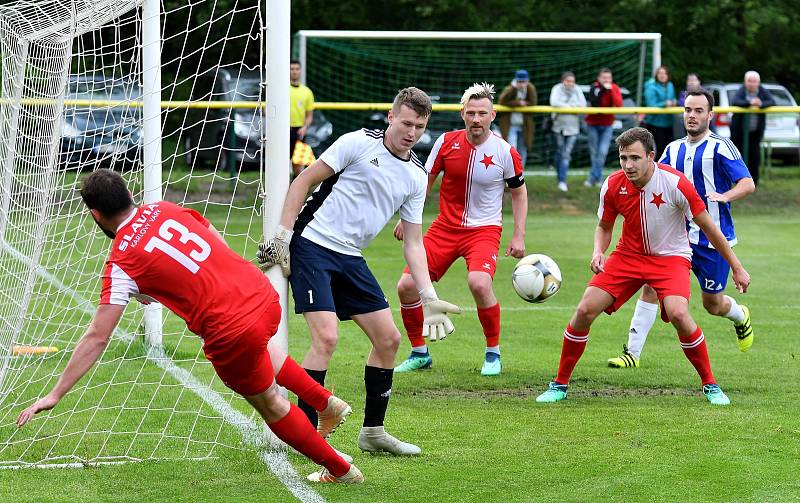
(751, 95)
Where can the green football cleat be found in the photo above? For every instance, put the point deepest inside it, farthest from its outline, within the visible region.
(492, 365)
(744, 331)
(624, 361)
(715, 395)
(555, 393)
(415, 361)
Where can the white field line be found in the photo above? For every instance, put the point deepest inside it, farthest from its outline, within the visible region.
(259, 438)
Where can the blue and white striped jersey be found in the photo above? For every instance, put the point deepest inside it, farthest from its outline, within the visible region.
(712, 164)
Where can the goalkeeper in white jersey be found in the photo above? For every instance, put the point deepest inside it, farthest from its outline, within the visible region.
(362, 180)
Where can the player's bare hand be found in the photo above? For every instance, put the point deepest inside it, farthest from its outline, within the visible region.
(598, 264)
(398, 230)
(436, 325)
(741, 278)
(516, 247)
(715, 197)
(45, 403)
(301, 133)
(275, 251)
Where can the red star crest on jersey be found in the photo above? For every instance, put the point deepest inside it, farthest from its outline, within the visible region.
(487, 160)
(657, 200)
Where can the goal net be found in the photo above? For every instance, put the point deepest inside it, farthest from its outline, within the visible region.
(369, 67)
(72, 88)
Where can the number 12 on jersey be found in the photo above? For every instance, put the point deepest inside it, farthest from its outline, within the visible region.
(171, 230)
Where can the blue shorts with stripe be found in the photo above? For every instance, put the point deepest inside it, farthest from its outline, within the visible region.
(325, 280)
(710, 269)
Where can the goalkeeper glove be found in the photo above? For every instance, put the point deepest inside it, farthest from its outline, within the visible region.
(275, 251)
(436, 324)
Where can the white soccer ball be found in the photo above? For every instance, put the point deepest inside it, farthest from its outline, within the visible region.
(536, 278)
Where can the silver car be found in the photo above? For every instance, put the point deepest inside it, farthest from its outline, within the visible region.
(782, 132)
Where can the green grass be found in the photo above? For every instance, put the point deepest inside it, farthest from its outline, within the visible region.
(623, 435)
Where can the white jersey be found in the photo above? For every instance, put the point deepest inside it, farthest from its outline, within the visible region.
(370, 184)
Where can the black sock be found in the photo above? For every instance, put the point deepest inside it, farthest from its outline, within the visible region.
(378, 382)
(309, 411)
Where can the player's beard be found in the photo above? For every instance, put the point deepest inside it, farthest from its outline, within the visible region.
(699, 130)
(108, 233)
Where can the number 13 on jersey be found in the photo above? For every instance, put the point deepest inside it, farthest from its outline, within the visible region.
(170, 231)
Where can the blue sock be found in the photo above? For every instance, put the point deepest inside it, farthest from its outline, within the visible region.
(420, 350)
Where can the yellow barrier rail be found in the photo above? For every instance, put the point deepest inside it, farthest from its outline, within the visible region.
(439, 107)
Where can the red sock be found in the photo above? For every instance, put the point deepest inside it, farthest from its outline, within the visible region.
(490, 321)
(412, 321)
(295, 430)
(295, 379)
(571, 351)
(694, 347)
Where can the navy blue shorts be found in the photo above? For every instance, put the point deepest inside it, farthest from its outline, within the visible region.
(710, 269)
(325, 280)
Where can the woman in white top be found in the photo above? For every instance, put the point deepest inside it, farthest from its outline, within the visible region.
(565, 126)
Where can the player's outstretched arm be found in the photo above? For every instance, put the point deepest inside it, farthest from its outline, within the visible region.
(602, 240)
(275, 249)
(86, 353)
(741, 278)
(436, 324)
(519, 207)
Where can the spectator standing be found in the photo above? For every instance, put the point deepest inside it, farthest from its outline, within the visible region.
(751, 95)
(659, 92)
(301, 110)
(603, 93)
(517, 127)
(565, 126)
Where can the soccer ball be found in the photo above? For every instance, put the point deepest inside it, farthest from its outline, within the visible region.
(536, 278)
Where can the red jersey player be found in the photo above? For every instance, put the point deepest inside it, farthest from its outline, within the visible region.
(175, 256)
(477, 166)
(654, 200)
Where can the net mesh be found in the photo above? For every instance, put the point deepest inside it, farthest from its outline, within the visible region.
(138, 402)
(372, 70)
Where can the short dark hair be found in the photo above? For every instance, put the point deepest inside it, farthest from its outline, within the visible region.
(566, 75)
(605, 69)
(294, 62)
(635, 134)
(105, 191)
(703, 92)
(415, 99)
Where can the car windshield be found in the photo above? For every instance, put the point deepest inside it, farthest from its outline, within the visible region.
(246, 90)
(103, 90)
(781, 96)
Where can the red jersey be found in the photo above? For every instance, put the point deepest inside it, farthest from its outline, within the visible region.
(655, 215)
(168, 253)
(471, 194)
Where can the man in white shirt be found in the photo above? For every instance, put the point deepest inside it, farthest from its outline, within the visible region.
(363, 179)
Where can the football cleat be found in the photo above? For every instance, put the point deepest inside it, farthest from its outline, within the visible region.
(625, 360)
(744, 331)
(415, 361)
(715, 395)
(353, 476)
(375, 439)
(332, 416)
(555, 393)
(492, 365)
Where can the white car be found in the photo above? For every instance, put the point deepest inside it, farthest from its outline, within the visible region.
(782, 133)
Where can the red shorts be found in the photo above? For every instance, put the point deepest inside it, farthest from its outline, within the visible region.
(243, 363)
(625, 273)
(444, 245)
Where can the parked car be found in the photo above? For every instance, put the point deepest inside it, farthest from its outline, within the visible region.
(226, 135)
(782, 131)
(102, 134)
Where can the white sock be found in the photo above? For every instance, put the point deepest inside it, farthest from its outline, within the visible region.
(493, 349)
(643, 318)
(736, 314)
(423, 350)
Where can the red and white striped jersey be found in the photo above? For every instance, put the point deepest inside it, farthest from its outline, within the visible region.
(471, 194)
(655, 215)
(167, 252)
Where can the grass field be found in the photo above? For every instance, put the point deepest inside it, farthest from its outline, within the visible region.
(623, 435)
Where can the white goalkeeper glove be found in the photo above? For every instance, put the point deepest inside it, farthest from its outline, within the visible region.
(275, 251)
(436, 324)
